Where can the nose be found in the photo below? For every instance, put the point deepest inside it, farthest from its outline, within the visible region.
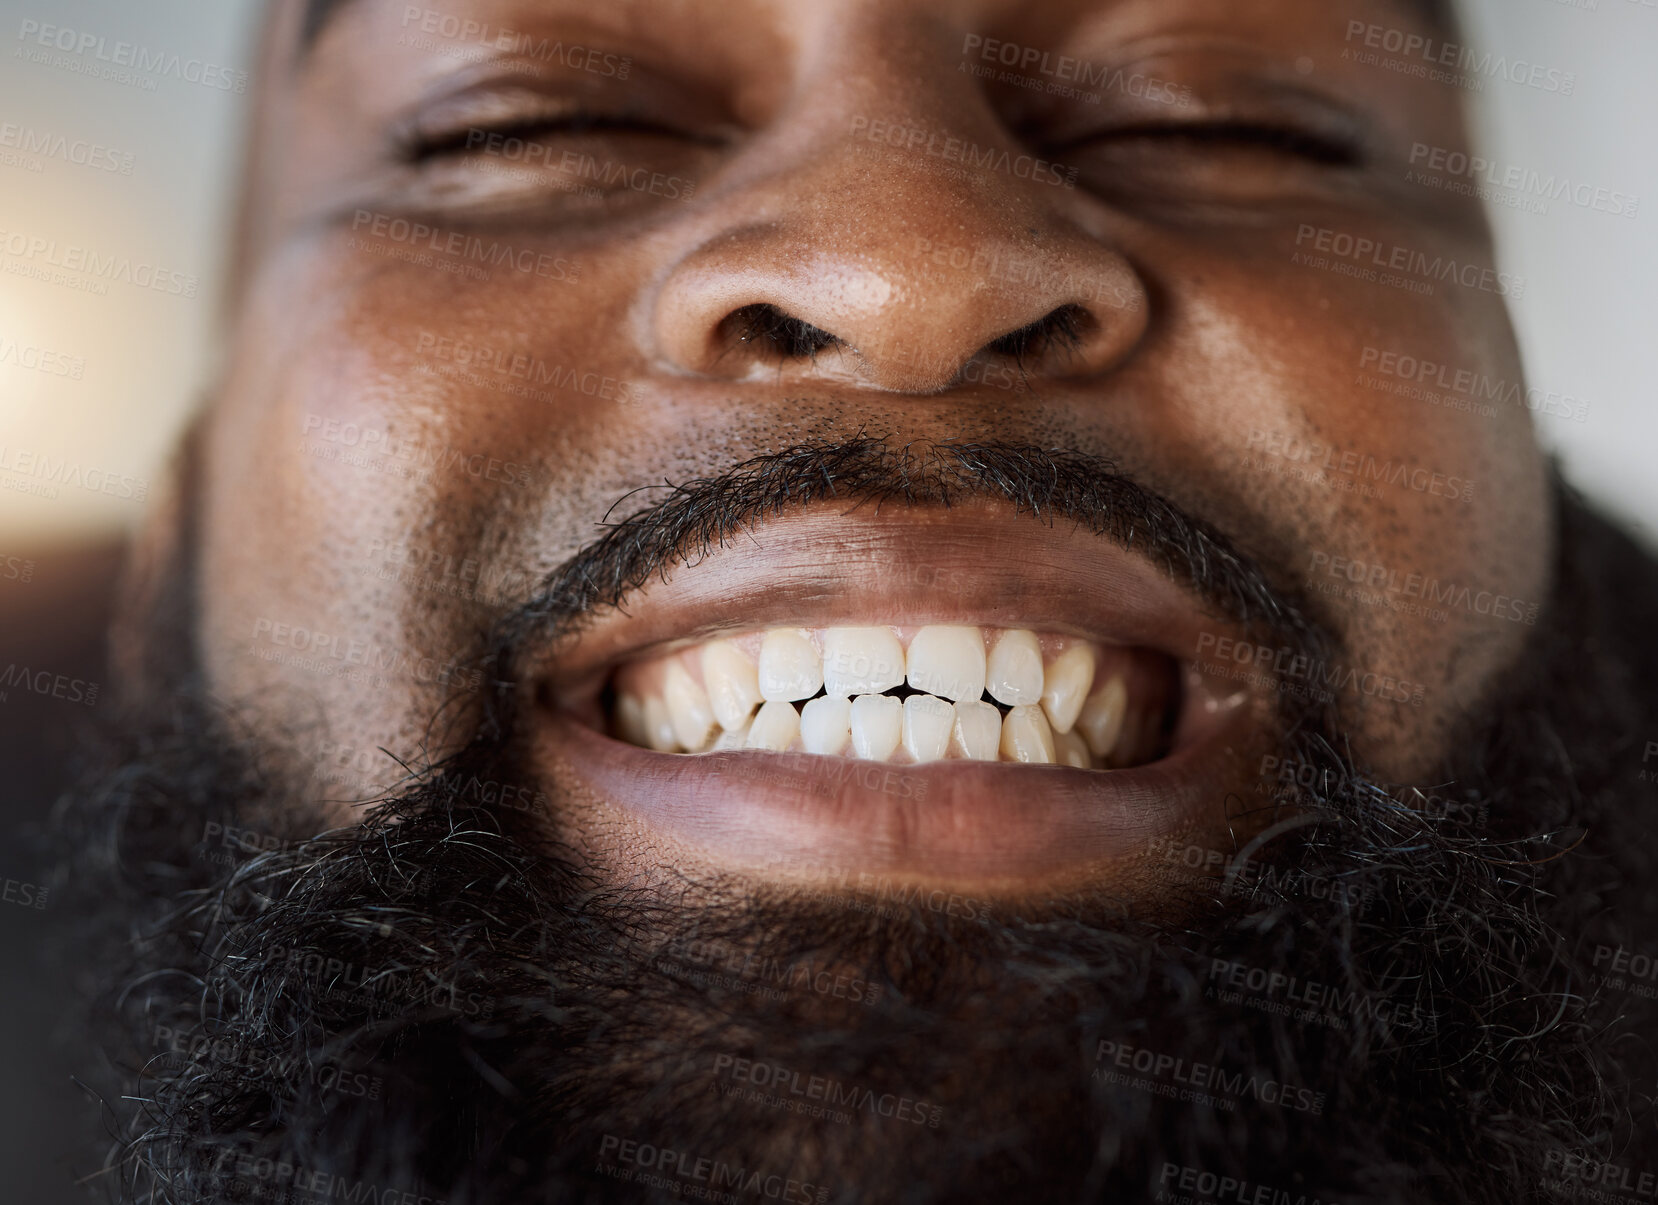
(901, 249)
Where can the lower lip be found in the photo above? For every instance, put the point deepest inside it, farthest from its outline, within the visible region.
(802, 816)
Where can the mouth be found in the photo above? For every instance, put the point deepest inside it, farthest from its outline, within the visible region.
(962, 696)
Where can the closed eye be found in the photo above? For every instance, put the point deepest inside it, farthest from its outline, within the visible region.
(1319, 148)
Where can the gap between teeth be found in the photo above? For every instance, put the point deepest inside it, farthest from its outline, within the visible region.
(825, 692)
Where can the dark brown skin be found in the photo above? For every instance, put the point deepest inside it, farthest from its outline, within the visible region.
(1204, 341)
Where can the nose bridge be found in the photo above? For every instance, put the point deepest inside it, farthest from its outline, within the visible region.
(889, 208)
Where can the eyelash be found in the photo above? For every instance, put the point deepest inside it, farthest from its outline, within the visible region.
(1321, 149)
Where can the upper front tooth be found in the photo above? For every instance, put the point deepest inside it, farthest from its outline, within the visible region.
(861, 661)
(1026, 736)
(876, 721)
(630, 720)
(688, 707)
(947, 661)
(927, 724)
(1014, 673)
(1065, 686)
(789, 666)
(1101, 721)
(826, 725)
(732, 682)
(775, 726)
(977, 734)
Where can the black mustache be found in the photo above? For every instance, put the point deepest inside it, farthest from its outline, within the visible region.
(1055, 484)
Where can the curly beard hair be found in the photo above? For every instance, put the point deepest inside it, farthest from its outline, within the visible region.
(438, 1005)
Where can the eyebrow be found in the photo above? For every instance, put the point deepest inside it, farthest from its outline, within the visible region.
(1440, 14)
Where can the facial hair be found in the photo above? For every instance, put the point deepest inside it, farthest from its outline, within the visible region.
(1390, 1006)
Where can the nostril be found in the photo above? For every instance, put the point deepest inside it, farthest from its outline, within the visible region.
(1061, 331)
(776, 332)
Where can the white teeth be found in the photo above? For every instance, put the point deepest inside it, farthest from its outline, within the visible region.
(789, 666)
(732, 682)
(947, 661)
(927, 724)
(1101, 721)
(876, 724)
(1014, 673)
(775, 727)
(1071, 750)
(861, 661)
(826, 725)
(688, 707)
(630, 719)
(1065, 686)
(1026, 736)
(659, 726)
(977, 734)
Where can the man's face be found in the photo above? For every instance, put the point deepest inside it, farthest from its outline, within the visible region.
(512, 269)
(898, 542)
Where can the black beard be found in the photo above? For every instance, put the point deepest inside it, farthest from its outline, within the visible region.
(1396, 1006)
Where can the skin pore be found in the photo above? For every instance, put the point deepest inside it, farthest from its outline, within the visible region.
(565, 335)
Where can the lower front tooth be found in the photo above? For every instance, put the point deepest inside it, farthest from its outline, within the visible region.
(977, 734)
(876, 725)
(775, 726)
(1026, 736)
(826, 725)
(1071, 750)
(927, 724)
(1101, 721)
(688, 707)
(659, 726)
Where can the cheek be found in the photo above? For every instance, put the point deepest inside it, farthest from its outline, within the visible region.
(341, 525)
(1411, 514)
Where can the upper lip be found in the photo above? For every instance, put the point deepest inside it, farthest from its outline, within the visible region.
(975, 563)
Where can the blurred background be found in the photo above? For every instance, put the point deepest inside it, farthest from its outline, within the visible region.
(129, 179)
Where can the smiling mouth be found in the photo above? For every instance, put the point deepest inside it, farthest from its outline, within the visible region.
(904, 696)
(809, 699)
